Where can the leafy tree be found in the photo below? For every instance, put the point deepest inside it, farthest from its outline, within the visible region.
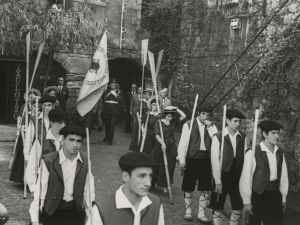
(61, 30)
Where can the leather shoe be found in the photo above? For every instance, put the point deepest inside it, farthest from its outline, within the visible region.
(105, 139)
(110, 143)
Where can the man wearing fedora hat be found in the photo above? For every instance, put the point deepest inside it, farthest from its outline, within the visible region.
(226, 179)
(52, 142)
(132, 204)
(62, 193)
(110, 111)
(264, 181)
(194, 160)
(53, 91)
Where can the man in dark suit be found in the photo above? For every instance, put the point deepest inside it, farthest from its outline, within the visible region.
(110, 111)
(128, 98)
(63, 93)
(120, 93)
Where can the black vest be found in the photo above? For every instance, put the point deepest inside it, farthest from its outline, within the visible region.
(261, 175)
(228, 153)
(195, 139)
(110, 215)
(55, 191)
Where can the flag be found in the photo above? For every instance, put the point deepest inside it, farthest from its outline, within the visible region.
(95, 80)
(144, 51)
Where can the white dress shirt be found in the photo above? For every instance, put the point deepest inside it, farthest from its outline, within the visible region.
(30, 132)
(215, 153)
(249, 169)
(35, 153)
(69, 170)
(122, 202)
(183, 144)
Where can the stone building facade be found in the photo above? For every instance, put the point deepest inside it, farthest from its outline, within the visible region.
(77, 63)
(213, 34)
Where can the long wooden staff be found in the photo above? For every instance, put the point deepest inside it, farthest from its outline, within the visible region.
(160, 55)
(36, 135)
(26, 103)
(50, 60)
(222, 143)
(253, 146)
(143, 61)
(41, 48)
(191, 124)
(145, 133)
(13, 154)
(89, 174)
(151, 60)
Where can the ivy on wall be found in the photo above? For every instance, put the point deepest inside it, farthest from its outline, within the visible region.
(276, 80)
(162, 21)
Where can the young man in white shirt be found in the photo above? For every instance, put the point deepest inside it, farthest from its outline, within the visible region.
(264, 182)
(226, 179)
(52, 141)
(132, 204)
(62, 191)
(194, 160)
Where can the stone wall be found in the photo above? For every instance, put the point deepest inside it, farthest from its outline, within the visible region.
(209, 46)
(77, 63)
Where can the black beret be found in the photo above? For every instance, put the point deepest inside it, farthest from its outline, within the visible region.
(58, 115)
(47, 98)
(231, 113)
(268, 125)
(136, 159)
(205, 107)
(72, 129)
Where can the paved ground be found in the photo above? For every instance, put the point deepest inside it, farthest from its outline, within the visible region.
(104, 168)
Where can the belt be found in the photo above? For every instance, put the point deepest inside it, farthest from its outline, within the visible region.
(67, 205)
(111, 102)
(272, 185)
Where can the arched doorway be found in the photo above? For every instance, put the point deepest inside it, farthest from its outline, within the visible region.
(13, 82)
(127, 71)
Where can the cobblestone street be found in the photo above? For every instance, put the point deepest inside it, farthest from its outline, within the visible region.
(105, 170)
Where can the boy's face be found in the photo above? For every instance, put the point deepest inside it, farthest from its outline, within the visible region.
(139, 181)
(272, 136)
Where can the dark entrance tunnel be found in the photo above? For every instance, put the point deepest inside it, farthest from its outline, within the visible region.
(127, 71)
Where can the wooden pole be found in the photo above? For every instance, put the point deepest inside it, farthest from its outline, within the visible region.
(41, 48)
(145, 134)
(26, 103)
(36, 135)
(164, 153)
(222, 142)
(89, 173)
(153, 73)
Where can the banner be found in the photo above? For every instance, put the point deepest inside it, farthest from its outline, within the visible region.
(144, 51)
(95, 80)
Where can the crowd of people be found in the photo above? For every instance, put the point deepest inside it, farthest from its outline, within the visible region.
(49, 159)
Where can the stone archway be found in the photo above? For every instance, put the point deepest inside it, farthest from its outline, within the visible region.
(126, 71)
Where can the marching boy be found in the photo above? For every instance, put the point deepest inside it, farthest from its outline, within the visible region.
(264, 182)
(226, 179)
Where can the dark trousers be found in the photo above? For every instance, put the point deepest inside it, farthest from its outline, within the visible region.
(266, 208)
(109, 120)
(230, 185)
(64, 217)
(128, 127)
